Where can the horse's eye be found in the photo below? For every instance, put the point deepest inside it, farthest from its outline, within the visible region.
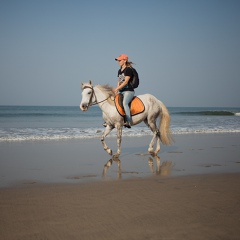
(89, 93)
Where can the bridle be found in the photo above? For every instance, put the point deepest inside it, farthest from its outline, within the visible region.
(90, 103)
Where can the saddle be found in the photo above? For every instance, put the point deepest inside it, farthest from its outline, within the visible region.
(136, 105)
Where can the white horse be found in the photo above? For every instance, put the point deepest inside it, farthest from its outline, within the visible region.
(104, 97)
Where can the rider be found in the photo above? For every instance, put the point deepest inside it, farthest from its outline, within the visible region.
(125, 75)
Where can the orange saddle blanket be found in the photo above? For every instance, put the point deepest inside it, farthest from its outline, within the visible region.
(136, 105)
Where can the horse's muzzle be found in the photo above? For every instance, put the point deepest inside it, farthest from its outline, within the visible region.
(84, 107)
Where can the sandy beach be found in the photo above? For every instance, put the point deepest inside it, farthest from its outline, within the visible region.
(74, 190)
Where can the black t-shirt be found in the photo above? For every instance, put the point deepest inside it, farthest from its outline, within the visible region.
(122, 74)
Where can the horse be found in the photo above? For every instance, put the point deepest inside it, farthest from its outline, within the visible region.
(103, 96)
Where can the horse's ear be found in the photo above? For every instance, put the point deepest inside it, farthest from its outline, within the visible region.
(82, 85)
(90, 82)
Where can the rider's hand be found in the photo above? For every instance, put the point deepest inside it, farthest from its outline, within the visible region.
(115, 90)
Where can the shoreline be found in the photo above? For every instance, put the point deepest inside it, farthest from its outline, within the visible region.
(70, 190)
(80, 161)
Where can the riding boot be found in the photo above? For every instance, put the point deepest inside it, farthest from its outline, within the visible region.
(127, 124)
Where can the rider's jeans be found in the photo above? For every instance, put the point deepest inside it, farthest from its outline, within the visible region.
(127, 97)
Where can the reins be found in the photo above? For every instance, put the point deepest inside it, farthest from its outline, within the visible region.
(90, 103)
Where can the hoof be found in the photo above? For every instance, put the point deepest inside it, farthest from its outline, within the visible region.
(109, 151)
(153, 154)
(116, 155)
(150, 151)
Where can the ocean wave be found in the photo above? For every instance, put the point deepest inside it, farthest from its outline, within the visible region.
(210, 113)
(43, 134)
(13, 115)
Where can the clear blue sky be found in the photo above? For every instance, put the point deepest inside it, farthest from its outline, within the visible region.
(187, 52)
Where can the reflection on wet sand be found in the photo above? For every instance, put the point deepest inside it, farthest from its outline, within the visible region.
(109, 164)
(162, 170)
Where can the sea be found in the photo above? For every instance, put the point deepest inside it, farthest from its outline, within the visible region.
(57, 123)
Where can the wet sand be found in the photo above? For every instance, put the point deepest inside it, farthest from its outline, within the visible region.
(79, 161)
(73, 190)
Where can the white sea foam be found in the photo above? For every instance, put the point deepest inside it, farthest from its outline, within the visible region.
(50, 134)
(66, 123)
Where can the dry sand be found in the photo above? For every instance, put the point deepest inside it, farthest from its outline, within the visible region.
(197, 198)
(196, 207)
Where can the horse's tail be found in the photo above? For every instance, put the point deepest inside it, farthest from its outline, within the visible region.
(164, 125)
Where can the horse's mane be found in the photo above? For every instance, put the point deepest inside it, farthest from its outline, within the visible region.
(106, 89)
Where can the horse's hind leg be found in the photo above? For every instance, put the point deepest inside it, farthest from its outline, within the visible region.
(156, 134)
(151, 144)
(108, 129)
(158, 141)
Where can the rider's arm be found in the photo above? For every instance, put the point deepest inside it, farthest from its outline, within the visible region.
(123, 84)
(118, 82)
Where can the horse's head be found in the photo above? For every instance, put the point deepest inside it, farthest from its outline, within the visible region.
(87, 96)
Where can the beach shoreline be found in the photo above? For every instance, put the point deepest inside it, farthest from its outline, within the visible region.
(78, 161)
(74, 190)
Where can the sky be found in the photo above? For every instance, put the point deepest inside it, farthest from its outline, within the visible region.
(187, 52)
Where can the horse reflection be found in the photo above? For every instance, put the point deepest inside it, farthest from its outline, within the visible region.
(162, 170)
(109, 164)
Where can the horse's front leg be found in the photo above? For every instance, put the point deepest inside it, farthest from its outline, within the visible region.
(108, 129)
(119, 140)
